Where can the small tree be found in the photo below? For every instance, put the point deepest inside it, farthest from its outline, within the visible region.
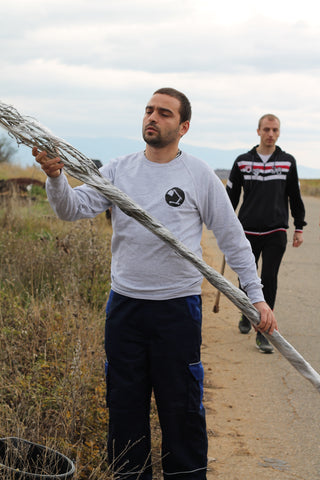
(6, 150)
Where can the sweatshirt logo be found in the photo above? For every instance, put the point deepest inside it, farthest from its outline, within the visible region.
(175, 197)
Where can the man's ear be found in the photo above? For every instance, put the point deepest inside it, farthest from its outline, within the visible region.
(184, 127)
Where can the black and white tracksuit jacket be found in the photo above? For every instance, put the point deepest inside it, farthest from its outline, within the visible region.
(268, 189)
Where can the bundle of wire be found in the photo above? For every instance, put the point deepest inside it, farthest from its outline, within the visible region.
(27, 131)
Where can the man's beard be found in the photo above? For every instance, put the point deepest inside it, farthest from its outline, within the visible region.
(157, 141)
(154, 141)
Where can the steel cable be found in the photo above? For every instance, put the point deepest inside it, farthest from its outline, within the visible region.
(27, 131)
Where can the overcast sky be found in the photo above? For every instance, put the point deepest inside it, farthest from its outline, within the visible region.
(88, 67)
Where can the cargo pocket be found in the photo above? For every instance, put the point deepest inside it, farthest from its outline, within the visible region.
(194, 303)
(195, 387)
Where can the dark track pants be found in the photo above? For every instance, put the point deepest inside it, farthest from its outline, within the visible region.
(271, 248)
(155, 345)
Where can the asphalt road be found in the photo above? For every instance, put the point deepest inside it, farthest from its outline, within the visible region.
(263, 416)
(298, 310)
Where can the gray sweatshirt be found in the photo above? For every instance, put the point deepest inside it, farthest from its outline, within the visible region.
(183, 195)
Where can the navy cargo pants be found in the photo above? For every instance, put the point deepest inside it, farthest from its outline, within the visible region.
(155, 345)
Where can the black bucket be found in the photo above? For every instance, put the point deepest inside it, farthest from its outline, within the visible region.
(23, 460)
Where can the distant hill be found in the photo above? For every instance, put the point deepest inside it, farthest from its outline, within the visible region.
(106, 148)
(218, 159)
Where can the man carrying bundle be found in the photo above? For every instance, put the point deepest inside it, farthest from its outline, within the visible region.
(153, 321)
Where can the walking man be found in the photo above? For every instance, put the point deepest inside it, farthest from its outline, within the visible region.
(269, 179)
(153, 320)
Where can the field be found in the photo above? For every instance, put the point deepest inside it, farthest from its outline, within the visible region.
(54, 282)
(51, 331)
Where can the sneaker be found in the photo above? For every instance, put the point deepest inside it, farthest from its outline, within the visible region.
(262, 344)
(244, 325)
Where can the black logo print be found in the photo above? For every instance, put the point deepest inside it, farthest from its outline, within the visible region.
(175, 197)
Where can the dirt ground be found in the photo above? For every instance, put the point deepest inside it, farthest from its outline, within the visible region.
(262, 415)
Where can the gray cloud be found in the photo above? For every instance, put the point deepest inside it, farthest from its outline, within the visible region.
(87, 67)
(164, 38)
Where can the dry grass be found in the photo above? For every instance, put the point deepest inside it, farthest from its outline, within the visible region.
(8, 170)
(15, 171)
(310, 187)
(54, 282)
(51, 332)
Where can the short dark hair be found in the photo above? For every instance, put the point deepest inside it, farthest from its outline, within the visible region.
(269, 116)
(185, 105)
